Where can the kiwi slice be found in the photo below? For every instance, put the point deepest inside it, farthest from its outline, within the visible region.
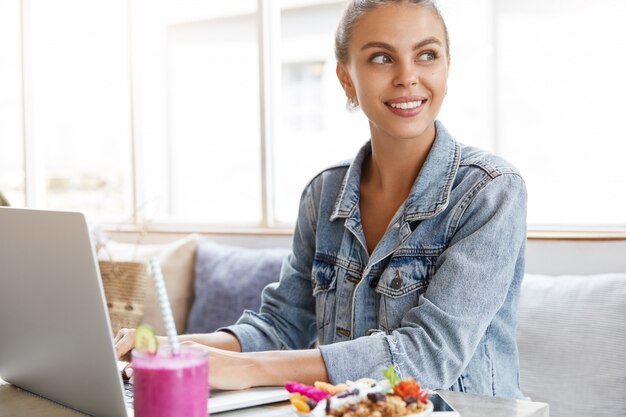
(145, 339)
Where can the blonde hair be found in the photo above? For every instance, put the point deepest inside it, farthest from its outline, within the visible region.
(356, 8)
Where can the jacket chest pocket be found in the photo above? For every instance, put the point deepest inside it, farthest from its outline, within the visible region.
(400, 285)
(324, 281)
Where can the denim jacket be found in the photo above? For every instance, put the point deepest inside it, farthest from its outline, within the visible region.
(438, 296)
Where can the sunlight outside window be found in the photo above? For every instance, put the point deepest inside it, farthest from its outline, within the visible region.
(562, 107)
(79, 105)
(11, 134)
(197, 111)
(156, 112)
(541, 84)
(315, 130)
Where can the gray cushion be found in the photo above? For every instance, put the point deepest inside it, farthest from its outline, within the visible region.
(572, 343)
(229, 280)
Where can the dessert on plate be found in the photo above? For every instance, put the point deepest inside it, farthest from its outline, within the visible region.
(390, 397)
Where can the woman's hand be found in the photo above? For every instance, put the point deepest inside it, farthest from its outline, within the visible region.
(219, 359)
(125, 342)
(232, 370)
(228, 370)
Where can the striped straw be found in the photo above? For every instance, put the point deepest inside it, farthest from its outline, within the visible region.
(164, 304)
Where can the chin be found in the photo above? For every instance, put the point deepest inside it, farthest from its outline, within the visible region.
(423, 132)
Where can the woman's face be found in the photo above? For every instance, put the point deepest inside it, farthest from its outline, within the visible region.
(398, 69)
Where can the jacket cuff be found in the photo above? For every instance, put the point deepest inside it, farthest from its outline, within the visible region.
(365, 357)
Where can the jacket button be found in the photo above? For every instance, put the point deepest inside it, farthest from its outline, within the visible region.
(343, 332)
(374, 282)
(353, 279)
(396, 283)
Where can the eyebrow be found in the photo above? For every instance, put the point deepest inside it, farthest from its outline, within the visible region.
(383, 45)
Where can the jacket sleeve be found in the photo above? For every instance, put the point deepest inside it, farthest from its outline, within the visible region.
(286, 319)
(438, 337)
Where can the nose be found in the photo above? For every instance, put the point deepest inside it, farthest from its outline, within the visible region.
(406, 75)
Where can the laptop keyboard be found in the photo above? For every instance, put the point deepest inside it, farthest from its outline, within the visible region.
(128, 394)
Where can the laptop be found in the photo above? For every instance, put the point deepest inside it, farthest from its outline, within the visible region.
(55, 334)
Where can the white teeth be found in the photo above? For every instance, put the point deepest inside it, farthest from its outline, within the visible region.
(406, 105)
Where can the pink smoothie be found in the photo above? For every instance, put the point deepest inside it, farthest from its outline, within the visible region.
(171, 386)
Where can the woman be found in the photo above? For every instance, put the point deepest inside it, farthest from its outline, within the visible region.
(411, 255)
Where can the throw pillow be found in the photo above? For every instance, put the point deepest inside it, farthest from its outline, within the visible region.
(177, 263)
(229, 280)
(571, 339)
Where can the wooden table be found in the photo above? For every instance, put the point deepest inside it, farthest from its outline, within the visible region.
(15, 402)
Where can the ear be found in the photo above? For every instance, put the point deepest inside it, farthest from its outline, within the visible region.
(344, 79)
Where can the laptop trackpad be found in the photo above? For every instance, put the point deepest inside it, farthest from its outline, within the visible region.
(232, 400)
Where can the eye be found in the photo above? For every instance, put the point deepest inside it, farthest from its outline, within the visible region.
(427, 56)
(380, 59)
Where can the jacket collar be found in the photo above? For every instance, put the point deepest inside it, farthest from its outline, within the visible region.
(430, 192)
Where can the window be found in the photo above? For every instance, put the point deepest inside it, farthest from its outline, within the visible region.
(75, 99)
(315, 130)
(11, 135)
(79, 104)
(199, 117)
(302, 96)
(219, 113)
(197, 108)
(562, 108)
(541, 83)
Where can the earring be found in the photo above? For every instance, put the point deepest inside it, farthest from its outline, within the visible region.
(353, 103)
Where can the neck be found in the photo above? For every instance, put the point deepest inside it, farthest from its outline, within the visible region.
(395, 164)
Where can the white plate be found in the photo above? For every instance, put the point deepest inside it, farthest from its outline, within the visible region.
(427, 412)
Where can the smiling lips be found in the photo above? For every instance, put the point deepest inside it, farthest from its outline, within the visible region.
(406, 107)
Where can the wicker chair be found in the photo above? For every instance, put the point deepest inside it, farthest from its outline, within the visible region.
(3, 200)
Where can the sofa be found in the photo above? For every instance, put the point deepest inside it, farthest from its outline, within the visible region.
(571, 333)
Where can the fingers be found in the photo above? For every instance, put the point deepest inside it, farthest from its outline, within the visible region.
(120, 334)
(124, 342)
(126, 370)
(127, 373)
